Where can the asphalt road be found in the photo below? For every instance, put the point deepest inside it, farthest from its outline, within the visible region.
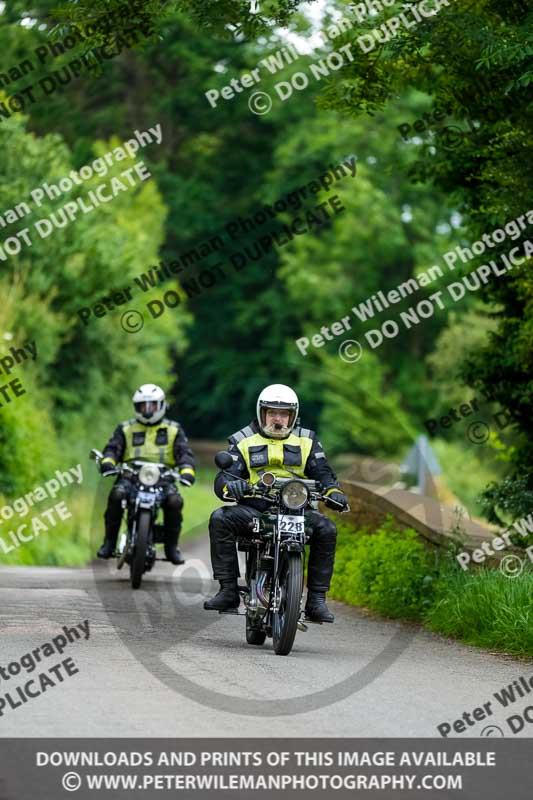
(157, 664)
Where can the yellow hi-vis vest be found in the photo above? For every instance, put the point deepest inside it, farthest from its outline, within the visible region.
(150, 442)
(274, 455)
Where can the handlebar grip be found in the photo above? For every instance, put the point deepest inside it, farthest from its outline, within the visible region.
(340, 505)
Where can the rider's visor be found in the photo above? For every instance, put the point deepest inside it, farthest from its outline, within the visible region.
(287, 409)
(146, 408)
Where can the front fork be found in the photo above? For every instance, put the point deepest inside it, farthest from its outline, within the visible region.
(252, 599)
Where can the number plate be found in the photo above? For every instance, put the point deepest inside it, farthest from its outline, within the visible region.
(290, 523)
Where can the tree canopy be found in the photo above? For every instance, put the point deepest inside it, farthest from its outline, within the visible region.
(437, 120)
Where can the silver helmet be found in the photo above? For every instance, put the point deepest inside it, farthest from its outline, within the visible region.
(277, 396)
(149, 403)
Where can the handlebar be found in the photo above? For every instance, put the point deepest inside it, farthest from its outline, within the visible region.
(97, 456)
(265, 493)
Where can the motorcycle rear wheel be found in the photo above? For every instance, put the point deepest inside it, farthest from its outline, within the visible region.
(285, 620)
(138, 560)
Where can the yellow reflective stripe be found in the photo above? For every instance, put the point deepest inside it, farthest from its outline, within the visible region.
(333, 489)
(108, 459)
(188, 470)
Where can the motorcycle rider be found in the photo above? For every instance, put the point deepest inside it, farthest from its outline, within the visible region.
(272, 443)
(149, 437)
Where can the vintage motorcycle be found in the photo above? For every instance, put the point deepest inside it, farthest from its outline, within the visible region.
(275, 554)
(136, 547)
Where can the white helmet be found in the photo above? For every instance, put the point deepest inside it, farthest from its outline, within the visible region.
(149, 403)
(277, 396)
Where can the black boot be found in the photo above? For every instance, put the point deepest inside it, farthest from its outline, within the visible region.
(108, 547)
(228, 597)
(316, 608)
(172, 551)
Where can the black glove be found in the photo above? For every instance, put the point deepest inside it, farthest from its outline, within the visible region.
(187, 479)
(336, 497)
(106, 466)
(237, 489)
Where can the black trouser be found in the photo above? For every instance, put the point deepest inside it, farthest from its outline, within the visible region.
(172, 506)
(228, 522)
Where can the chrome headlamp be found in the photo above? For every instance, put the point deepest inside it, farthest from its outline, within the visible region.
(294, 495)
(149, 474)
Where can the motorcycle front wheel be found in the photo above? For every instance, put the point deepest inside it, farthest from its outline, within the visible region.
(285, 619)
(138, 559)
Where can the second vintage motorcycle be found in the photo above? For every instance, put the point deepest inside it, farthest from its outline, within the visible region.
(136, 546)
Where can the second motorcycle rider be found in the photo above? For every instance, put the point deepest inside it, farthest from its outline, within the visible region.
(150, 437)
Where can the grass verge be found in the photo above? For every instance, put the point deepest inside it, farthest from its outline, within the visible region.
(73, 542)
(395, 574)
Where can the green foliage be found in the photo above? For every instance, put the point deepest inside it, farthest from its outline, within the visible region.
(27, 453)
(247, 18)
(357, 413)
(393, 573)
(373, 245)
(73, 542)
(217, 164)
(486, 609)
(467, 469)
(476, 60)
(508, 500)
(463, 336)
(72, 268)
(388, 571)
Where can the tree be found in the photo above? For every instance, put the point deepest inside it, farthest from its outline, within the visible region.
(84, 374)
(473, 60)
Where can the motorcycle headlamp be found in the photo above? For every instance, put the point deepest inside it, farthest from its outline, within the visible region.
(294, 494)
(149, 474)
